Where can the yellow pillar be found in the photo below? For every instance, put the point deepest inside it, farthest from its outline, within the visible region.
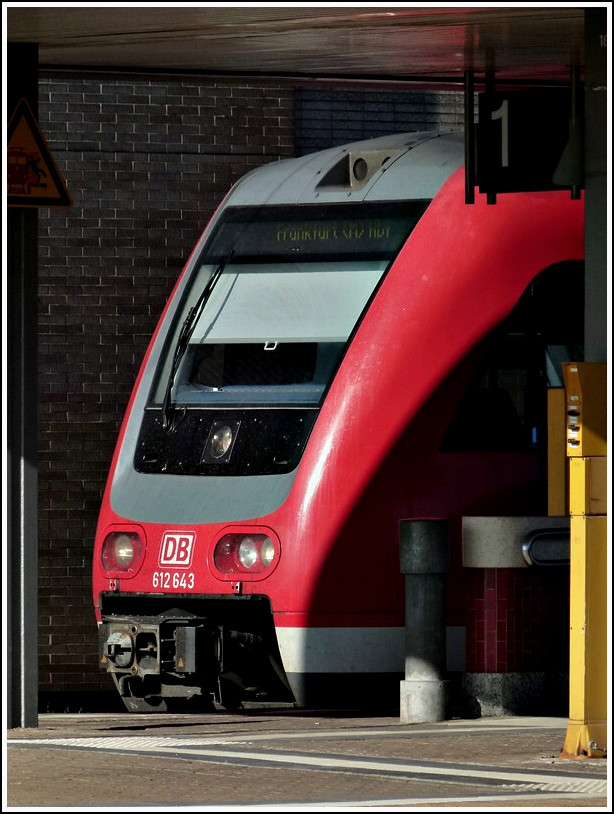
(586, 405)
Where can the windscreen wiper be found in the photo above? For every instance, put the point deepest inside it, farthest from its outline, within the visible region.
(185, 334)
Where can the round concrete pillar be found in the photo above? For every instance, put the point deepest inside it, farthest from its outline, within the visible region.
(424, 554)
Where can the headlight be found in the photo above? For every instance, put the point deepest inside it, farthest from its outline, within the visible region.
(220, 442)
(121, 551)
(267, 551)
(246, 553)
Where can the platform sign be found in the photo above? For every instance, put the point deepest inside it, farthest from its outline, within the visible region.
(522, 137)
(33, 178)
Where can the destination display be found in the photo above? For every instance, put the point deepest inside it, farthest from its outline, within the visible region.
(327, 230)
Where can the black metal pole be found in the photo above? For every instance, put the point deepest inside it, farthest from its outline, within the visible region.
(22, 401)
(469, 139)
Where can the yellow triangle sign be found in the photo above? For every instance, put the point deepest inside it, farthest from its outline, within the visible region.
(32, 176)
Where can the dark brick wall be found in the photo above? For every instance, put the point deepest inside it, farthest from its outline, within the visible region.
(517, 619)
(328, 117)
(146, 160)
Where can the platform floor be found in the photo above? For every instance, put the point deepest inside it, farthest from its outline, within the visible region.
(260, 759)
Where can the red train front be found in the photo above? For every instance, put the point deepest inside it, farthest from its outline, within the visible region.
(315, 379)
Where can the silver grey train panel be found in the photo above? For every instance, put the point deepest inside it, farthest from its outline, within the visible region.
(422, 163)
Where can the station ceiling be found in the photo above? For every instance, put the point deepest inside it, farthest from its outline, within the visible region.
(395, 42)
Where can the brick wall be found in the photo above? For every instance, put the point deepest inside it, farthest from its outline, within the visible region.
(333, 116)
(517, 619)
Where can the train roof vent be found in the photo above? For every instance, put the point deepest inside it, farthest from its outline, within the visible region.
(355, 168)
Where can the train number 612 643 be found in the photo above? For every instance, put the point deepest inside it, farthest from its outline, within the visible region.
(166, 579)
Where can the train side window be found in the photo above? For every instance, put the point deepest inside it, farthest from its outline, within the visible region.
(505, 406)
(492, 413)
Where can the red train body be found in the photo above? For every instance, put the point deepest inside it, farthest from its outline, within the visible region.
(248, 541)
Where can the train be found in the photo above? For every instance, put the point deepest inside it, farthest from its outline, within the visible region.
(349, 345)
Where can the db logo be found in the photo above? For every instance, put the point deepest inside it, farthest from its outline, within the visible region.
(177, 548)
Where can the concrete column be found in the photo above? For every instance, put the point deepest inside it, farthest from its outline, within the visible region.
(424, 561)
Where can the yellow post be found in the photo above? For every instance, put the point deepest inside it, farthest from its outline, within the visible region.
(586, 404)
(558, 473)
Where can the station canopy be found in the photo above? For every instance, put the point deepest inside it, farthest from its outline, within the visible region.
(434, 43)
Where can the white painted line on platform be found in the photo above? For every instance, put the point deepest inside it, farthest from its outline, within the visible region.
(206, 749)
(419, 802)
(388, 732)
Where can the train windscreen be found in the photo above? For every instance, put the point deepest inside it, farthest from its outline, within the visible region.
(274, 297)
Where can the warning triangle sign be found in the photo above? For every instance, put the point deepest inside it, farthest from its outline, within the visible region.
(32, 176)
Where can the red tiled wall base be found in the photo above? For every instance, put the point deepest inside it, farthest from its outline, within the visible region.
(517, 619)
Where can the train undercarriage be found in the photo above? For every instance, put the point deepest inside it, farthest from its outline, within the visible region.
(185, 652)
